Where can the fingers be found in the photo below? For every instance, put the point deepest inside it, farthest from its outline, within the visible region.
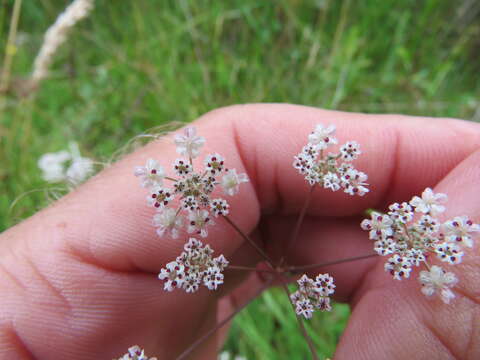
(107, 220)
(106, 225)
(393, 319)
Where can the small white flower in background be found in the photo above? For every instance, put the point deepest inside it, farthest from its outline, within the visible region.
(193, 267)
(438, 280)
(79, 170)
(191, 189)
(411, 240)
(136, 353)
(189, 144)
(429, 203)
(65, 166)
(313, 295)
(327, 170)
(152, 174)
(53, 166)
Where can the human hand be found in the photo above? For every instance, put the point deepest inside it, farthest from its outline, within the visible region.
(78, 279)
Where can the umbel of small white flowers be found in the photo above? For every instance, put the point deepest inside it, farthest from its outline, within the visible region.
(333, 171)
(136, 353)
(65, 166)
(408, 240)
(193, 189)
(313, 295)
(193, 267)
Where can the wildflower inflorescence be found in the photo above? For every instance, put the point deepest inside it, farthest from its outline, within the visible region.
(197, 207)
(66, 166)
(193, 267)
(136, 353)
(410, 233)
(333, 171)
(313, 295)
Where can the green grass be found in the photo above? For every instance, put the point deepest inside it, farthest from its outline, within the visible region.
(277, 336)
(134, 65)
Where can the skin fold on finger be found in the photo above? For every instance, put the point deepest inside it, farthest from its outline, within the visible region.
(393, 319)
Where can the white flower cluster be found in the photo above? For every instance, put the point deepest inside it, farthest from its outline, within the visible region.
(193, 189)
(66, 165)
(193, 267)
(333, 170)
(313, 295)
(409, 239)
(136, 353)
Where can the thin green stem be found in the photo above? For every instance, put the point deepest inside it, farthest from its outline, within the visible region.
(298, 269)
(210, 332)
(247, 238)
(310, 343)
(10, 48)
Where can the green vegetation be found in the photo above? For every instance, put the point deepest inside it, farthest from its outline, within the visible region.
(133, 65)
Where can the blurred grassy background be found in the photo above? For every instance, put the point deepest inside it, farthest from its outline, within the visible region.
(133, 65)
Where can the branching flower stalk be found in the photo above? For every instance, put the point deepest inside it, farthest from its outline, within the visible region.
(409, 233)
(193, 191)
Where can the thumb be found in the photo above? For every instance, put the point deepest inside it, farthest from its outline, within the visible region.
(393, 320)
